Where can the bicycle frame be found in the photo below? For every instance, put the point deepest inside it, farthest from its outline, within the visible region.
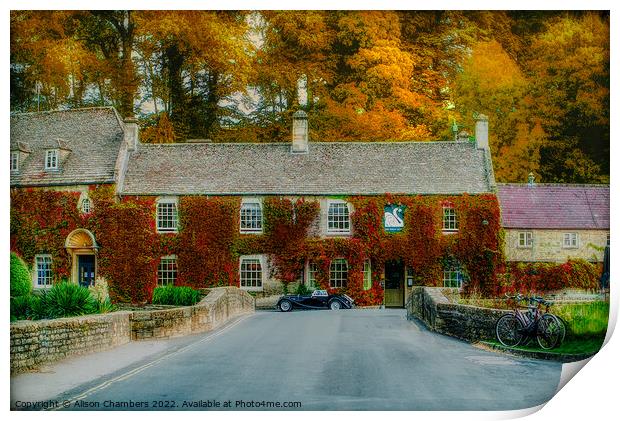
(530, 323)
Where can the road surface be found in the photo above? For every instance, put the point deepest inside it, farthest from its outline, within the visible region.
(321, 360)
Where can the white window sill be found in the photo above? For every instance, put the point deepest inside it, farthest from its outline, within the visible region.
(336, 233)
(525, 247)
(167, 231)
(251, 288)
(251, 231)
(449, 232)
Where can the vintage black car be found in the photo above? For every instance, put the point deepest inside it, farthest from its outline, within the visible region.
(319, 299)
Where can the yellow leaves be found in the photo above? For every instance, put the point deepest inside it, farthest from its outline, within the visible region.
(384, 66)
(492, 68)
(162, 132)
(211, 40)
(366, 28)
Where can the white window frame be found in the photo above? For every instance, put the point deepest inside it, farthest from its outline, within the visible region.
(247, 202)
(43, 259)
(453, 277)
(449, 223)
(167, 270)
(337, 230)
(263, 271)
(51, 159)
(367, 273)
(88, 208)
(338, 281)
(525, 239)
(570, 236)
(159, 218)
(14, 161)
(311, 271)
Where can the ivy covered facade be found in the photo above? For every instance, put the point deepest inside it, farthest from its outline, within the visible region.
(369, 219)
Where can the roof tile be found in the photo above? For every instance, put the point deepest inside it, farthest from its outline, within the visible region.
(554, 206)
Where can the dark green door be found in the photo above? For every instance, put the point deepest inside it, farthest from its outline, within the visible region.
(394, 284)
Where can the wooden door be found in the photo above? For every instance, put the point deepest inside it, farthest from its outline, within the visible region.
(394, 284)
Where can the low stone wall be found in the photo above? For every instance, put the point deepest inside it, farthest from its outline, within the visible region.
(35, 343)
(215, 309)
(467, 322)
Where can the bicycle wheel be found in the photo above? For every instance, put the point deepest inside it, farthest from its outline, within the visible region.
(548, 332)
(509, 330)
(560, 324)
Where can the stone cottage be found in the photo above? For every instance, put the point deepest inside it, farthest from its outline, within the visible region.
(554, 222)
(414, 191)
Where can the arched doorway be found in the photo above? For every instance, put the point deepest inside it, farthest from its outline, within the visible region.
(82, 248)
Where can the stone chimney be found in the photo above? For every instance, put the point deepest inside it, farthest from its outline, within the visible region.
(300, 132)
(131, 133)
(482, 132)
(530, 180)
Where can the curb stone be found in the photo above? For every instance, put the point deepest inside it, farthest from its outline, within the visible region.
(540, 355)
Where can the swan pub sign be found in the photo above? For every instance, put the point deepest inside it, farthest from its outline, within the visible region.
(393, 218)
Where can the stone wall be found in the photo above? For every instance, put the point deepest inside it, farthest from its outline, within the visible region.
(548, 246)
(34, 343)
(466, 322)
(214, 310)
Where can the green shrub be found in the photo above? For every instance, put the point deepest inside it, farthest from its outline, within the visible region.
(22, 307)
(21, 284)
(177, 296)
(302, 289)
(105, 306)
(65, 299)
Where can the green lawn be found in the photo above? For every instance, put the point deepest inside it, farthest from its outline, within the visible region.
(584, 319)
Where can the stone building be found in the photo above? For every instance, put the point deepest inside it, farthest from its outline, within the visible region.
(79, 150)
(554, 222)
(69, 151)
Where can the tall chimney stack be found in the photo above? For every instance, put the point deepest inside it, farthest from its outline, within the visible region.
(482, 131)
(300, 132)
(131, 133)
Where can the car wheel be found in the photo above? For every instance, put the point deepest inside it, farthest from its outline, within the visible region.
(335, 305)
(285, 305)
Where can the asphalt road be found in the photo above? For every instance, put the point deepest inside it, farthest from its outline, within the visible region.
(327, 360)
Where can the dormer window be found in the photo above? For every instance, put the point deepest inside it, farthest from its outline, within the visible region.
(51, 159)
(14, 161)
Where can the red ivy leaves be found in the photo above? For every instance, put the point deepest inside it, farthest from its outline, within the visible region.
(209, 243)
(541, 277)
(125, 232)
(209, 228)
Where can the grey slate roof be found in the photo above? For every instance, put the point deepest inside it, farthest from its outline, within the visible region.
(94, 137)
(554, 206)
(327, 169)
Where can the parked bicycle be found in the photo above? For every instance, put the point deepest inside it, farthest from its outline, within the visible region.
(528, 322)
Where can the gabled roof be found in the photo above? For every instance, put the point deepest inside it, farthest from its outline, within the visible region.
(554, 206)
(329, 168)
(92, 137)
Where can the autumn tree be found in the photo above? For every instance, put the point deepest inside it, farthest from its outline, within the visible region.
(569, 68)
(202, 57)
